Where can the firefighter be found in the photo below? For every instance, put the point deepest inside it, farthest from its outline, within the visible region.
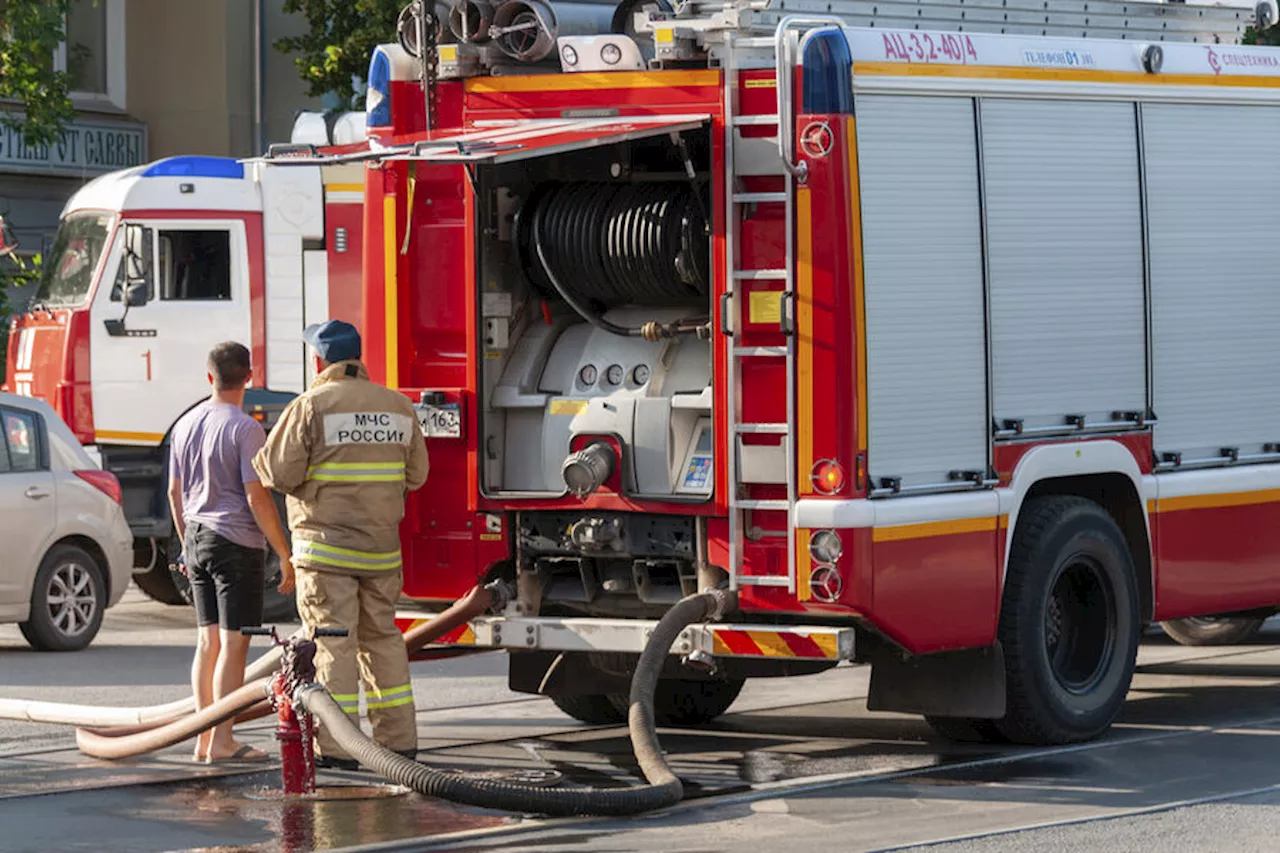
(345, 454)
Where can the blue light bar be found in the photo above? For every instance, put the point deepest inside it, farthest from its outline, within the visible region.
(195, 166)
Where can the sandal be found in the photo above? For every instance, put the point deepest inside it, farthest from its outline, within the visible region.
(244, 753)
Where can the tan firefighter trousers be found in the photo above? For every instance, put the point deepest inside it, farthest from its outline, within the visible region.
(371, 654)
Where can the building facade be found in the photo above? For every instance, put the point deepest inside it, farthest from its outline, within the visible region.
(152, 79)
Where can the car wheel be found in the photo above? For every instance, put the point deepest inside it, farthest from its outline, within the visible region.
(66, 602)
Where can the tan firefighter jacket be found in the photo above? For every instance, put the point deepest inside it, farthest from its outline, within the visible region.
(345, 454)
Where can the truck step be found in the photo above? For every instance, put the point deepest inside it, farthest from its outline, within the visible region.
(759, 198)
(762, 505)
(762, 580)
(760, 275)
(762, 429)
(760, 352)
(756, 121)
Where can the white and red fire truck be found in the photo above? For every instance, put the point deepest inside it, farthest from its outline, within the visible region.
(238, 253)
(948, 352)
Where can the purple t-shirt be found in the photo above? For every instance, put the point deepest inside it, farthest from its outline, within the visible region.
(211, 453)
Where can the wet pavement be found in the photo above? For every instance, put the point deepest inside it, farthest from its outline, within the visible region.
(799, 764)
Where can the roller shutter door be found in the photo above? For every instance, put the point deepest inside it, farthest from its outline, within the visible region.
(1214, 203)
(922, 262)
(1064, 232)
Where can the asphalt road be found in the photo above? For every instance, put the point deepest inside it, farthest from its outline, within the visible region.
(1201, 725)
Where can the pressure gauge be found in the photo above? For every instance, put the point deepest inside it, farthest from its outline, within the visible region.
(614, 374)
(587, 376)
(641, 374)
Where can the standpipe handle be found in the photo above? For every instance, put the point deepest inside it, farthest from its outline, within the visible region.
(329, 632)
(257, 631)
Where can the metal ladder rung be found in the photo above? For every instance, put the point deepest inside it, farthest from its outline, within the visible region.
(760, 352)
(755, 121)
(763, 580)
(760, 275)
(761, 429)
(759, 198)
(762, 505)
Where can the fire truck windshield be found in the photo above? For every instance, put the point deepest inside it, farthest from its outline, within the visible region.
(68, 270)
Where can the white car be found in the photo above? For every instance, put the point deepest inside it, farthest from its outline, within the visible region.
(66, 551)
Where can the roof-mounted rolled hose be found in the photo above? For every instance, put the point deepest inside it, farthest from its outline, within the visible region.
(664, 788)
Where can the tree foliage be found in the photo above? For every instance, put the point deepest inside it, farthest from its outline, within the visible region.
(30, 32)
(340, 37)
(1268, 36)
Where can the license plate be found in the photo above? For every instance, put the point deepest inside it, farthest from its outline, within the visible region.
(441, 420)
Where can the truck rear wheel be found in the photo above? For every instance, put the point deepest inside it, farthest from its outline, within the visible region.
(676, 703)
(1213, 630)
(1069, 623)
(156, 582)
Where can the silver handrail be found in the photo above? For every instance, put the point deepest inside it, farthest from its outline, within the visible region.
(785, 82)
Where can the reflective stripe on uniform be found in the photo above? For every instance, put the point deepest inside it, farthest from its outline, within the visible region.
(389, 698)
(357, 472)
(349, 702)
(345, 558)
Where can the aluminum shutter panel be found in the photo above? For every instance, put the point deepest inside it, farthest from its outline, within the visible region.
(1064, 236)
(1214, 202)
(922, 262)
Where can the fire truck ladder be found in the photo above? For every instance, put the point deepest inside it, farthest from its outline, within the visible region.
(735, 295)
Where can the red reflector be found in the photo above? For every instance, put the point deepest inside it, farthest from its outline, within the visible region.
(105, 482)
(827, 476)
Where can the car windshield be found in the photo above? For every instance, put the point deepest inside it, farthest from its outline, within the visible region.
(68, 270)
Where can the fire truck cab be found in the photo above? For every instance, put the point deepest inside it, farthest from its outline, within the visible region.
(949, 352)
(153, 266)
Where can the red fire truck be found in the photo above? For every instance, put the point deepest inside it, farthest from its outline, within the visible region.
(948, 352)
(231, 252)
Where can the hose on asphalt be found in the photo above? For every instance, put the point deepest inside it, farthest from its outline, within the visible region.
(664, 788)
(100, 746)
(33, 711)
(127, 722)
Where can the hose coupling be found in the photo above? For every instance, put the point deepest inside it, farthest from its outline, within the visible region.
(500, 595)
(589, 468)
(726, 601)
(305, 691)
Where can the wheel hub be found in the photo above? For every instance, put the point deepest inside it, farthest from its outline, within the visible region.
(1080, 625)
(71, 600)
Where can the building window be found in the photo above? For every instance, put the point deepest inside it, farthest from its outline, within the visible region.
(87, 47)
(93, 54)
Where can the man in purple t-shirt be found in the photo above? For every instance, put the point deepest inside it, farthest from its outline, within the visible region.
(222, 512)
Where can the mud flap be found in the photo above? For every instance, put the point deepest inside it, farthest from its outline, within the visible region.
(966, 683)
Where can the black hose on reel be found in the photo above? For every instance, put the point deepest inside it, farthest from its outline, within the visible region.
(602, 245)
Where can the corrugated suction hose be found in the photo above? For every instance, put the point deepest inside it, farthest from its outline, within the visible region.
(664, 788)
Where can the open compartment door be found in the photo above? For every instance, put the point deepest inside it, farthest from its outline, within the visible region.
(508, 141)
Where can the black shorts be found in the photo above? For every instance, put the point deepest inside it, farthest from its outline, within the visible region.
(226, 579)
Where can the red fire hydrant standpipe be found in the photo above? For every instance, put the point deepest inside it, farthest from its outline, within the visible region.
(295, 727)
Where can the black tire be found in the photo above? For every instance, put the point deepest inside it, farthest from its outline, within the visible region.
(67, 601)
(158, 585)
(1213, 630)
(966, 729)
(1069, 623)
(595, 710)
(676, 703)
(692, 703)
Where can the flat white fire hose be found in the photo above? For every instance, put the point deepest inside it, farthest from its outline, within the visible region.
(35, 711)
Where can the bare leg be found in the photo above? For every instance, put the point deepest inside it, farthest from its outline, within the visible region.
(202, 668)
(228, 677)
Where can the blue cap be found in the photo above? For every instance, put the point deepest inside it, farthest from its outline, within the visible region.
(333, 340)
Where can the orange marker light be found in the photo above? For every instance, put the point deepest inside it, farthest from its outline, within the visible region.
(827, 476)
